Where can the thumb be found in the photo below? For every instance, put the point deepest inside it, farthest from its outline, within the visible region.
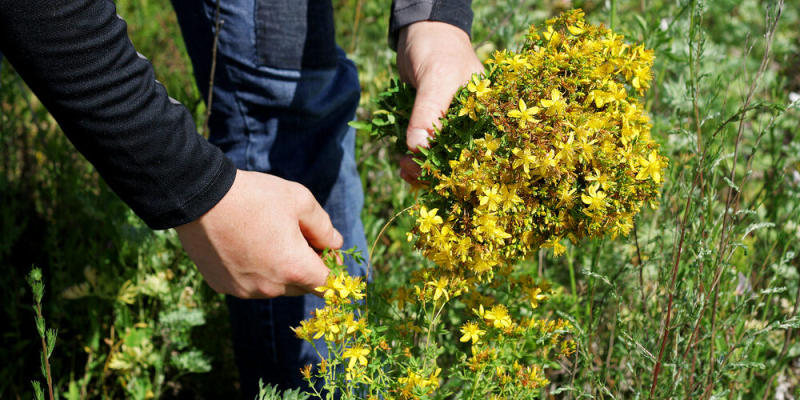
(430, 104)
(317, 228)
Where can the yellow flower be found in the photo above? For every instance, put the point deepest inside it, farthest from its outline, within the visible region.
(566, 196)
(622, 225)
(586, 148)
(555, 105)
(568, 347)
(403, 296)
(344, 286)
(524, 159)
(566, 150)
(601, 179)
(472, 332)
(498, 317)
(510, 198)
(491, 197)
(535, 294)
(595, 200)
(428, 219)
(498, 58)
(524, 114)
(519, 63)
(469, 109)
(356, 353)
(441, 287)
(600, 98)
(489, 143)
(555, 244)
(650, 167)
(551, 36)
(641, 78)
(463, 247)
(548, 162)
(479, 87)
(576, 29)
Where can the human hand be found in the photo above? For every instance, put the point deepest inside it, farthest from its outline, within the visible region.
(436, 58)
(259, 241)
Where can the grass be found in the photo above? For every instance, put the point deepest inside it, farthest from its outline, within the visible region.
(699, 302)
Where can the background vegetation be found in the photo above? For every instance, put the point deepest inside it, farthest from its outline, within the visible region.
(706, 288)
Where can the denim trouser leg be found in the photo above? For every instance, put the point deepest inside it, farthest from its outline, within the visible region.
(286, 115)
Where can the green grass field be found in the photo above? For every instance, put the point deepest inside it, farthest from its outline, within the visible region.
(706, 287)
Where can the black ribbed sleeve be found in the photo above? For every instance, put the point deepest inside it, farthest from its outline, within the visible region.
(406, 12)
(76, 57)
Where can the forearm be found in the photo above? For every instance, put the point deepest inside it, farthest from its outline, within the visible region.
(77, 58)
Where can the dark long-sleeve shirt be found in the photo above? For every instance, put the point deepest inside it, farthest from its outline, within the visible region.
(405, 12)
(76, 57)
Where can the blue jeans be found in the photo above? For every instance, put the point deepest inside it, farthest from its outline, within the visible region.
(285, 114)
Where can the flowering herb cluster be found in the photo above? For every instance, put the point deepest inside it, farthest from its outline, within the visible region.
(546, 144)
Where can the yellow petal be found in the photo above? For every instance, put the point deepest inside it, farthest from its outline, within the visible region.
(575, 30)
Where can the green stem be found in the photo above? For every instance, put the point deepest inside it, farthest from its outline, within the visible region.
(613, 18)
(571, 264)
(475, 383)
(45, 357)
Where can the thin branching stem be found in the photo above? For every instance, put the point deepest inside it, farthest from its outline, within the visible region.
(217, 27)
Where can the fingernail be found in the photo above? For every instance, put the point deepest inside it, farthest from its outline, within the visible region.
(417, 137)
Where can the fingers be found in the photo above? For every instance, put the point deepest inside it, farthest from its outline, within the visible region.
(318, 232)
(315, 224)
(313, 274)
(410, 166)
(431, 103)
(410, 171)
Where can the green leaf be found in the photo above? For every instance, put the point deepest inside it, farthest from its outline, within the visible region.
(793, 322)
(182, 318)
(361, 125)
(37, 390)
(72, 393)
(51, 341)
(193, 361)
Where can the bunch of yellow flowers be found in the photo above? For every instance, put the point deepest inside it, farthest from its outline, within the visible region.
(549, 143)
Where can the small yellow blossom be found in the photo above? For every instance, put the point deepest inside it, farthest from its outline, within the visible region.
(481, 87)
(555, 105)
(651, 167)
(596, 200)
(469, 109)
(498, 316)
(491, 198)
(357, 353)
(524, 114)
(428, 219)
(471, 331)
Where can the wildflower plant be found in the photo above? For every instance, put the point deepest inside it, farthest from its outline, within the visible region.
(549, 143)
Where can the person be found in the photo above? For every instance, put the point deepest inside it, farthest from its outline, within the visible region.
(276, 181)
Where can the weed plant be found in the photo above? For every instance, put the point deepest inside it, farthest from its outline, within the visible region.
(699, 301)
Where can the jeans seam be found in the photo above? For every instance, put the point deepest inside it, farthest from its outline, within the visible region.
(240, 109)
